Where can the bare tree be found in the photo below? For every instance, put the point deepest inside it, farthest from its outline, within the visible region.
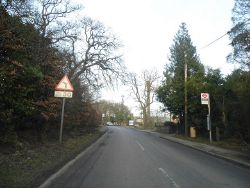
(21, 8)
(50, 18)
(51, 15)
(94, 55)
(143, 89)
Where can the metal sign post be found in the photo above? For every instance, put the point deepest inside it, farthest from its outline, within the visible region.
(206, 100)
(210, 127)
(64, 90)
(61, 127)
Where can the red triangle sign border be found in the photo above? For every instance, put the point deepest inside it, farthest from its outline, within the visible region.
(65, 78)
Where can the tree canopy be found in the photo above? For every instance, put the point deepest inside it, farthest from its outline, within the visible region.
(171, 92)
(38, 45)
(240, 33)
(229, 95)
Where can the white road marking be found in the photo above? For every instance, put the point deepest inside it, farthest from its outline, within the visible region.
(171, 179)
(142, 148)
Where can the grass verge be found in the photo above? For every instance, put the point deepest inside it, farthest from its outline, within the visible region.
(229, 143)
(232, 144)
(30, 166)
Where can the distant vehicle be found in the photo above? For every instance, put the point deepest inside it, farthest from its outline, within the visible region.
(131, 122)
(109, 123)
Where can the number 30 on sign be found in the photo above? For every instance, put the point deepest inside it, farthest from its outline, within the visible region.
(65, 94)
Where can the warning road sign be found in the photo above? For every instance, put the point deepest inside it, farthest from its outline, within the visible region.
(64, 85)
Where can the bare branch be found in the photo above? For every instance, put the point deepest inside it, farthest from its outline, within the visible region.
(97, 60)
(142, 87)
(49, 18)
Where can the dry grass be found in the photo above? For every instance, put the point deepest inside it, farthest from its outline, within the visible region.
(31, 165)
(234, 144)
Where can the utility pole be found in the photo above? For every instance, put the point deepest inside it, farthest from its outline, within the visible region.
(209, 121)
(185, 93)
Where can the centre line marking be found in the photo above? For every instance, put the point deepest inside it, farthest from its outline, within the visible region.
(142, 148)
(171, 179)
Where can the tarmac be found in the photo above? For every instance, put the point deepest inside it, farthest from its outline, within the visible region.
(237, 157)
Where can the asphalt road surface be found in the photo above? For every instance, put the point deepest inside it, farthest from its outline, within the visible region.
(128, 158)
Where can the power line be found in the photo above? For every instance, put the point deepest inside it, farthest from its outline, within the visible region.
(228, 32)
(215, 40)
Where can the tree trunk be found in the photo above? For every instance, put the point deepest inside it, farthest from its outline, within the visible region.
(145, 118)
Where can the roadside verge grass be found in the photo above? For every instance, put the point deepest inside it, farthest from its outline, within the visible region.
(232, 144)
(30, 166)
(227, 143)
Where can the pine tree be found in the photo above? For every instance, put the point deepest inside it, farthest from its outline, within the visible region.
(240, 33)
(171, 93)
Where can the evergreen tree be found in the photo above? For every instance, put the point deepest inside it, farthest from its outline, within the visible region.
(19, 74)
(237, 104)
(240, 33)
(171, 93)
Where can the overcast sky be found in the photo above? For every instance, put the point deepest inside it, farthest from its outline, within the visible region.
(147, 29)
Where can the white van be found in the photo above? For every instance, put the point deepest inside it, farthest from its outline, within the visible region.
(131, 122)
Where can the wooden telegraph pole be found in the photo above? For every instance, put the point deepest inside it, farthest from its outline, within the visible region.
(185, 102)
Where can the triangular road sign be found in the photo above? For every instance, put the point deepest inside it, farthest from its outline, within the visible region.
(64, 85)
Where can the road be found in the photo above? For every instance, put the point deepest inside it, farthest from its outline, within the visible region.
(128, 158)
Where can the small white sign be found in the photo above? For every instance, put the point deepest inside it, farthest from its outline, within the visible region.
(204, 102)
(65, 94)
(204, 98)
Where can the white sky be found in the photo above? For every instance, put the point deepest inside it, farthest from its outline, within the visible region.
(147, 29)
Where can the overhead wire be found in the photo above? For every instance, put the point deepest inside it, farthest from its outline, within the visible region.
(228, 32)
(209, 44)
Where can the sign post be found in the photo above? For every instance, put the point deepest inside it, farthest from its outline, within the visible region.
(64, 90)
(206, 100)
(61, 126)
